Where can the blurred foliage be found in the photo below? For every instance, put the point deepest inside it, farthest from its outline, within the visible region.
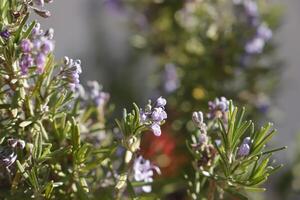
(205, 40)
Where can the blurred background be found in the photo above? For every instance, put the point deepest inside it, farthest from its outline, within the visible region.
(107, 37)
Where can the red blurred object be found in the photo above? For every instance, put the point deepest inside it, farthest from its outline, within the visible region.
(166, 151)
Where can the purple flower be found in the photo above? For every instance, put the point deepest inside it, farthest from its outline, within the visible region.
(244, 149)
(161, 102)
(37, 47)
(203, 139)
(143, 117)
(197, 118)
(255, 45)
(218, 108)
(5, 34)
(251, 8)
(154, 115)
(264, 32)
(247, 140)
(99, 97)
(70, 72)
(158, 114)
(102, 99)
(156, 129)
(144, 171)
(36, 31)
(40, 61)
(25, 62)
(47, 46)
(218, 142)
(171, 81)
(26, 45)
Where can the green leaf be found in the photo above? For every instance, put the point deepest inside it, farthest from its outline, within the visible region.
(255, 189)
(262, 167)
(223, 134)
(240, 132)
(237, 194)
(43, 131)
(231, 127)
(258, 146)
(75, 134)
(131, 190)
(38, 148)
(258, 136)
(25, 123)
(20, 29)
(48, 190)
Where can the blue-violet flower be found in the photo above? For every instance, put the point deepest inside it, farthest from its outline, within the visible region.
(144, 171)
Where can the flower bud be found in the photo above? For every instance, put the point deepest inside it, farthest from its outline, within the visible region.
(7, 156)
(161, 102)
(197, 118)
(21, 144)
(49, 33)
(39, 2)
(148, 108)
(247, 140)
(43, 13)
(12, 142)
(5, 34)
(25, 62)
(156, 129)
(40, 61)
(203, 139)
(47, 46)
(158, 115)
(244, 150)
(26, 45)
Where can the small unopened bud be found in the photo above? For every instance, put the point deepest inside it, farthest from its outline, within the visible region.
(50, 33)
(5, 34)
(197, 118)
(16, 14)
(161, 102)
(66, 60)
(244, 150)
(7, 156)
(43, 13)
(16, 143)
(39, 2)
(12, 142)
(21, 144)
(134, 144)
(247, 140)
(203, 139)
(148, 108)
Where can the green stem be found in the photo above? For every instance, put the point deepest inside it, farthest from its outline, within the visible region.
(121, 183)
